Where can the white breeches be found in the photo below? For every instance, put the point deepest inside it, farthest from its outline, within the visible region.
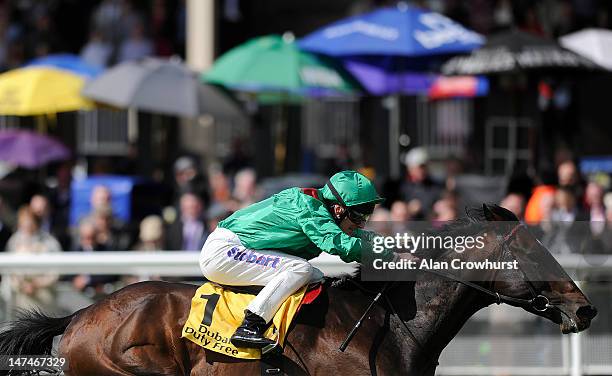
(226, 261)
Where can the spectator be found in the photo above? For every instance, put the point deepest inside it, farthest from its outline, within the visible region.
(503, 14)
(535, 205)
(136, 46)
(97, 52)
(381, 221)
(188, 179)
(445, 209)
(106, 17)
(547, 205)
(219, 187)
(514, 202)
(32, 291)
(59, 200)
(564, 233)
(100, 197)
(5, 230)
(608, 205)
(399, 215)
(566, 208)
(39, 205)
(568, 177)
(399, 212)
(419, 189)
(567, 174)
(245, 186)
(596, 210)
(188, 232)
(600, 235)
(109, 232)
(151, 236)
(114, 19)
(92, 285)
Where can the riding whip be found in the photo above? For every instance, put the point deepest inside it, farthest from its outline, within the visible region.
(350, 336)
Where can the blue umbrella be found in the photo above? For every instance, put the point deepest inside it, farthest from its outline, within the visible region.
(400, 31)
(68, 62)
(390, 42)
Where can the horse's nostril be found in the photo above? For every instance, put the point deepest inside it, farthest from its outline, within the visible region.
(587, 312)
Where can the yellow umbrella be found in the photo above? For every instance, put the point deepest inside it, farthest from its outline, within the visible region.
(40, 90)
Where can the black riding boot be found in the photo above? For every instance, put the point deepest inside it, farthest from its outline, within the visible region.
(250, 332)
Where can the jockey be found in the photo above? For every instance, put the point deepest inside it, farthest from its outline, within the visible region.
(268, 244)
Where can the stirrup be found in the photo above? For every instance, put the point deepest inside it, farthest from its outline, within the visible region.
(252, 342)
(272, 350)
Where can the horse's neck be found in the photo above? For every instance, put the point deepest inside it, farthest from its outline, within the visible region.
(442, 308)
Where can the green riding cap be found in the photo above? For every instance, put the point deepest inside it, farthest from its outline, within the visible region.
(354, 189)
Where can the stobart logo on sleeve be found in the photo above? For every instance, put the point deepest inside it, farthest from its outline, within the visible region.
(249, 256)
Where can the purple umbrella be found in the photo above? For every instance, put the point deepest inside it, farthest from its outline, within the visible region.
(29, 149)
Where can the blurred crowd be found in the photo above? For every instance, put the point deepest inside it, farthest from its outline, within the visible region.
(42, 224)
(103, 32)
(551, 18)
(568, 212)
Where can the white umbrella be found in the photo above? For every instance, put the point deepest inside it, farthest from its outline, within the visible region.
(594, 44)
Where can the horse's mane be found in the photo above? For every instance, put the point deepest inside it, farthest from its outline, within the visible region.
(470, 224)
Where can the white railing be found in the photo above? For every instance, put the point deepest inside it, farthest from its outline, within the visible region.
(141, 264)
(129, 262)
(570, 348)
(180, 263)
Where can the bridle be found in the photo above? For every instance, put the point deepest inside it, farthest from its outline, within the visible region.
(537, 301)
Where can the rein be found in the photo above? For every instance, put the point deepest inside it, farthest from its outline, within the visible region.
(537, 301)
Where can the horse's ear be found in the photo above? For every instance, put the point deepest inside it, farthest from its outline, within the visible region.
(488, 213)
(495, 213)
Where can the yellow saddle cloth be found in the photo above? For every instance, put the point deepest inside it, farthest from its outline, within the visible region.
(216, 313)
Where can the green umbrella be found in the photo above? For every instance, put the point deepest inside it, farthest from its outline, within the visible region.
(273, 70)
(274, 65)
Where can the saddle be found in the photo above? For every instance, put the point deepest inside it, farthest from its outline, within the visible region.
(217, 310)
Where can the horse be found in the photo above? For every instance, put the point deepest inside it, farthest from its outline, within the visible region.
(137, 330)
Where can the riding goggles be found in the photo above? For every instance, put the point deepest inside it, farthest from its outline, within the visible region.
(357, 218)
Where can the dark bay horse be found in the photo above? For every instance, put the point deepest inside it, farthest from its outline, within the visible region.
(136, 330)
